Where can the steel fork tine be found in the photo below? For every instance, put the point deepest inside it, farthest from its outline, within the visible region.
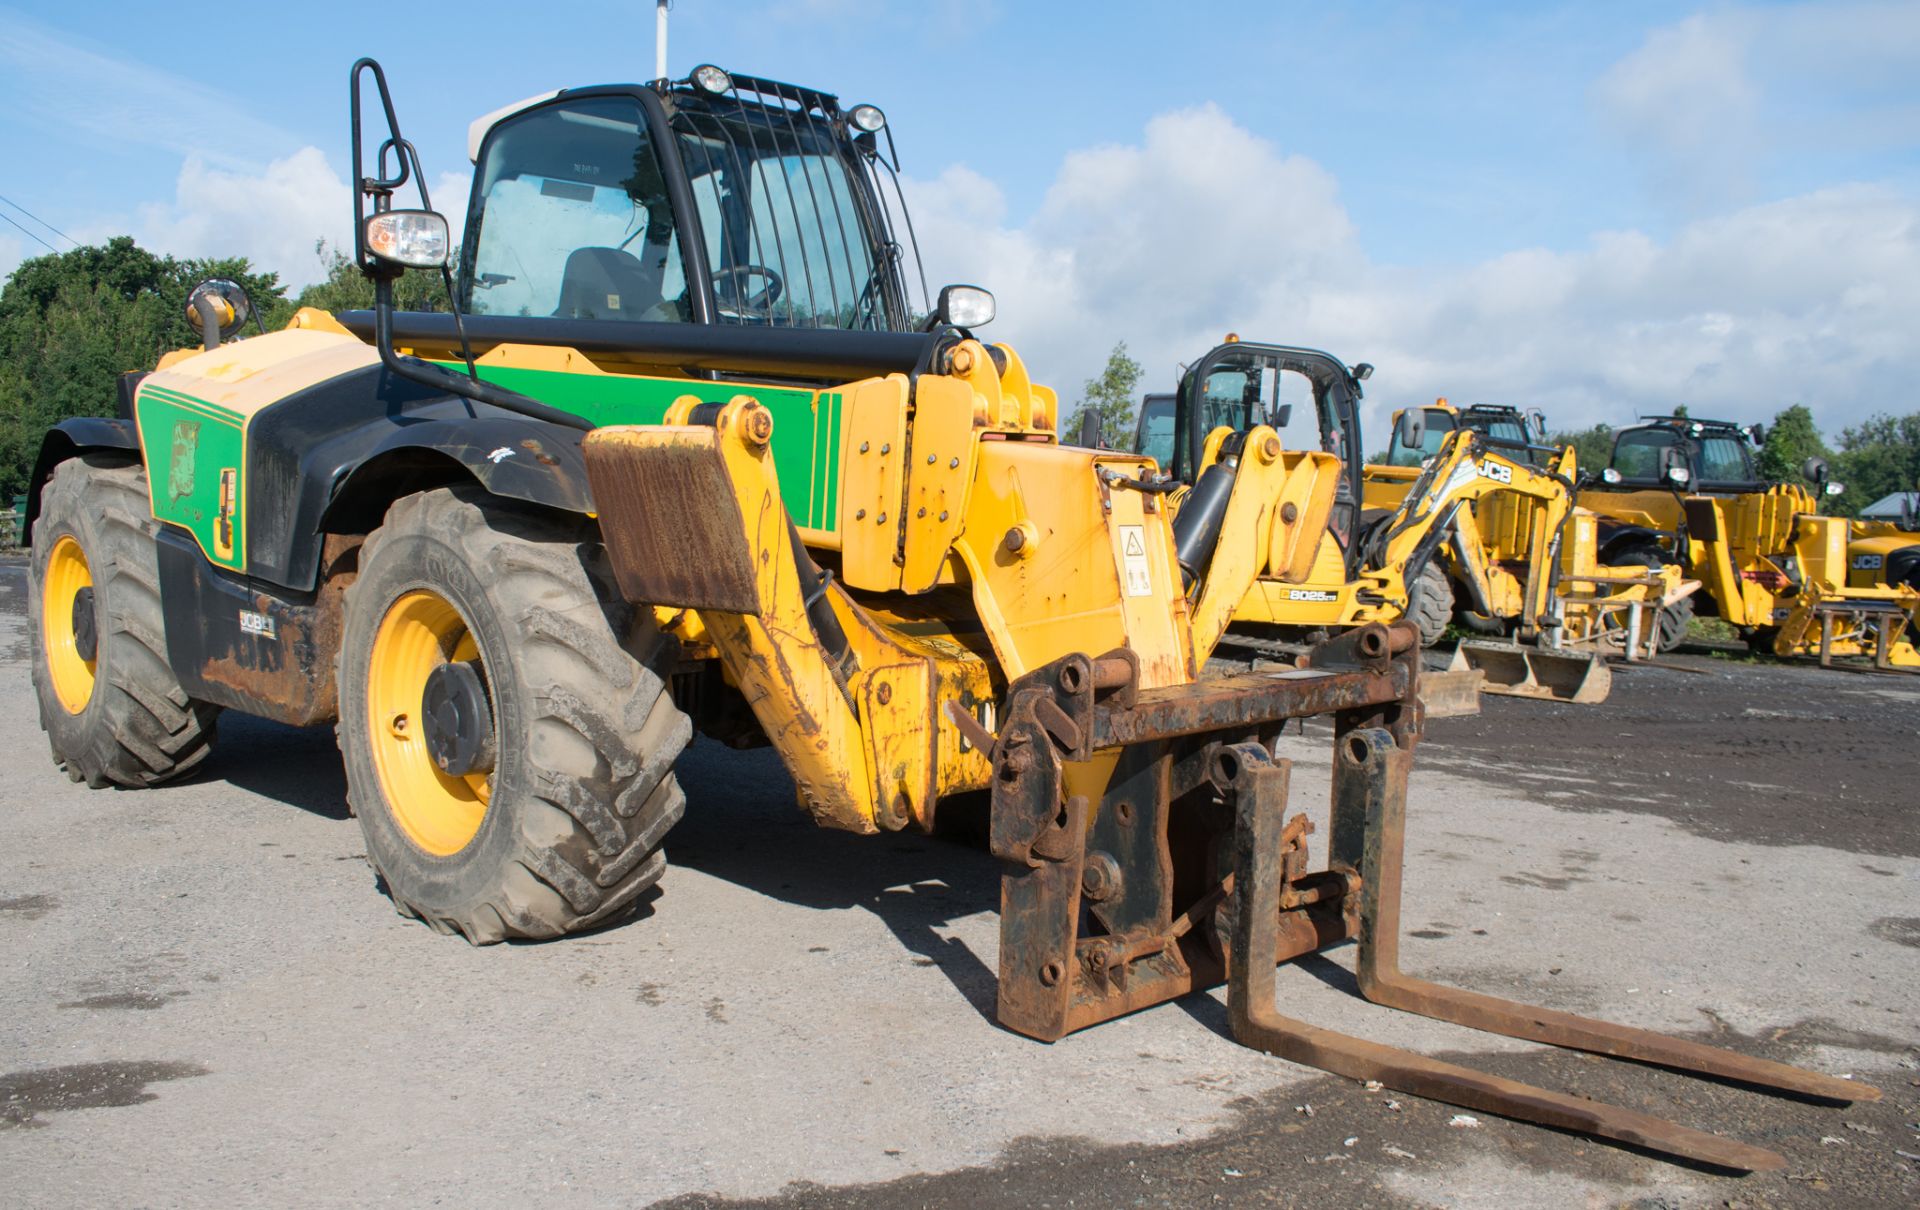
(1260, 801)
(1370, 782)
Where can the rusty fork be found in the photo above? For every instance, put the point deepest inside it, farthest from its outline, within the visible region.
(1369, 827)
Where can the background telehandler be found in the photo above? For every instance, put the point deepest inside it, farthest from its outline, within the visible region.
(688, 458)
(1792, 581)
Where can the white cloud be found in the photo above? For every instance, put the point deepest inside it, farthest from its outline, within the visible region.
(273, 217)
(1203, 227)
(1707, 101)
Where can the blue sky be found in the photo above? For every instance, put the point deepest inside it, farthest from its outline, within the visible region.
(1597, 208)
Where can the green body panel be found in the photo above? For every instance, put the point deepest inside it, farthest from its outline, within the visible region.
(191, 447)
(806, 424)
(196, 450)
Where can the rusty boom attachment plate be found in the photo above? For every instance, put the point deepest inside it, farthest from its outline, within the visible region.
(1188, 862)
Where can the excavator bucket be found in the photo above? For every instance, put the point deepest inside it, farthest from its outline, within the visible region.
(1557, 676)
(1452, 693)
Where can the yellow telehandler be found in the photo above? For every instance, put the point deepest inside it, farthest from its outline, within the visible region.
(1792, 581)
(731, 481)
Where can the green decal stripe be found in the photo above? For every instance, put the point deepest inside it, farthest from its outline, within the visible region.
(831, 510)
(211, 411)
(183, 476)
(626, 399)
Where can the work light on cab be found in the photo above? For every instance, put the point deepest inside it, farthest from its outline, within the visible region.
(417, 239)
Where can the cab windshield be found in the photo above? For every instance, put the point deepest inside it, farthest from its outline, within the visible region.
(1724, 459)
(785, 225)
(572, 218)
(1158, 430)
(1639, 454)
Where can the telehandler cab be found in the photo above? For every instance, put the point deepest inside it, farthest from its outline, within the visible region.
(1792, 581)
(743, 479)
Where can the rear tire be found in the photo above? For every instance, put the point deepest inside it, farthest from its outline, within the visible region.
(564, 831)
(1430, 603)
(1675, 619)
(120, 718)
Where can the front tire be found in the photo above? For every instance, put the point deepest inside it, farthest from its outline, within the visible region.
(112, 709)
(558, 729)
(1430, 602)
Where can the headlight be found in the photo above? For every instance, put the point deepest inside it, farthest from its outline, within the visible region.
(1609, 475)
(966, 306)
(417, 239)
(710, 79)
(1679, 475)
(867, 118)
(1834, 489)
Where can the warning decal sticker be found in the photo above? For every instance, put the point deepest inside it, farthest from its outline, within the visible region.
(1134, 572)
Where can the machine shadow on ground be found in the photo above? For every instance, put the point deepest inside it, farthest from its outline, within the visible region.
(743, 825)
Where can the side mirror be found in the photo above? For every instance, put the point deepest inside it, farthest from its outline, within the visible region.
(1814, 469)
(1759, 434)
(1089, 435)
(1411, 428)
(1283, 416)
(217, 307)
(963, 307)
(1609, 475)
(411, 239)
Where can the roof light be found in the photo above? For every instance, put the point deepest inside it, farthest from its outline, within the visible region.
(710, 79)
(868, 118)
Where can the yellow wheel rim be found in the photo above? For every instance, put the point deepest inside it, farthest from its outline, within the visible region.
(67, 573)
(439, 812)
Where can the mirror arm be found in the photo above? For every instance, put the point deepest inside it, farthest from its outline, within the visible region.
(427, 374)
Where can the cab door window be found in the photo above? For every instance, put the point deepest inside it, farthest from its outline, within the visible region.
(571, 219)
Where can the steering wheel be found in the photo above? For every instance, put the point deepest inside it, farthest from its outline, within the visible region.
(729, 288)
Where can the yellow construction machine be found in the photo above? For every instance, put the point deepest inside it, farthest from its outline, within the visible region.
(1791, 580)
(686, 458)
(1459, 510)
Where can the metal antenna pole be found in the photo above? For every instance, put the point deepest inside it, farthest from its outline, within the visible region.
(660, 8)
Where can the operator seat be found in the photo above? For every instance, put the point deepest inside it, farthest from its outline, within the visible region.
(608, 283)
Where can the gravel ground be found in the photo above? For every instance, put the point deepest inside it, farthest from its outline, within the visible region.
(203, 997)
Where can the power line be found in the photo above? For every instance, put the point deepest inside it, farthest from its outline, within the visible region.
(43, 222)
(30, 235)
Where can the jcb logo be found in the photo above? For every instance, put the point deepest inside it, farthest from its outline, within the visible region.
(1497, 471)
(1867, 562)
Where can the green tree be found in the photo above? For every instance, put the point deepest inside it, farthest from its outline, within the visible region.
(1593, 447)
(1110, 395)
(1791, 440)
(72, 322)
(345, 288)
(1879, 456)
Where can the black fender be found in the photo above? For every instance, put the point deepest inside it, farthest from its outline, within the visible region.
(509, 456)
(1615, 539)
(71, 438)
